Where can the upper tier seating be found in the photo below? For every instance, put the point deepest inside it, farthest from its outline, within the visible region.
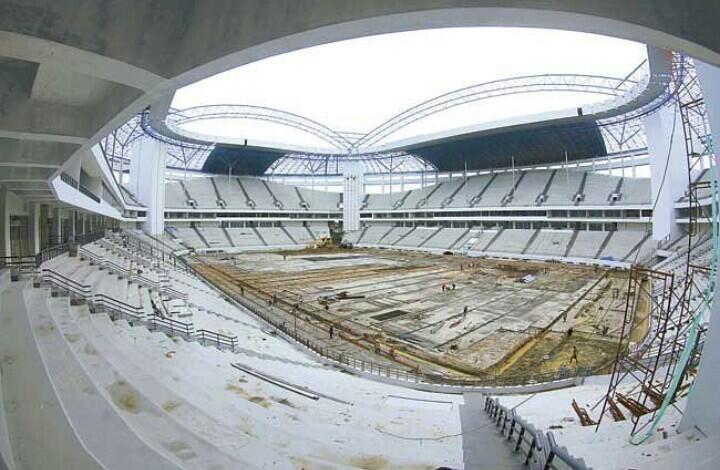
(558, 187)
(260, 195)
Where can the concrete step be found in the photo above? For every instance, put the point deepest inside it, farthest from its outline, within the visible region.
(97, 423)
(210, 441)
(40, 431)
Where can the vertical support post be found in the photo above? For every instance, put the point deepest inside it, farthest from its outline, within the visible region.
(353, 195)
(4, 222)
(56, 235)
(702, 411)
(668, 168)
(147, 173)
(34, 228)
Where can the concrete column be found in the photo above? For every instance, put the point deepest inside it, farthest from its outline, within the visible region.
(702, 410)
(668, 168)
(56, 234)
(34, 223)
(4, 223)
(44, 225)
(73, 224)
(353, 195)
(147, 178)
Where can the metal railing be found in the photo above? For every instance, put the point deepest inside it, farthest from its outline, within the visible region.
(19, 263)
(117, 307)
(66, 284)
(54, 251)
(170, 326)
(218, 339)
(539, 450)
(70, 181)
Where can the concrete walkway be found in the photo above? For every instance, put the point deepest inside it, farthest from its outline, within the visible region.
(483, 446)
(34, 415)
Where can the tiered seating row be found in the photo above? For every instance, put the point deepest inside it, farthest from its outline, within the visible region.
(622, 246)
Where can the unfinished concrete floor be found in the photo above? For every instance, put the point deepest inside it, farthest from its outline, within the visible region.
(391, 307)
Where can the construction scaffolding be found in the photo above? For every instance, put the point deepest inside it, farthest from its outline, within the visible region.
(649, 378)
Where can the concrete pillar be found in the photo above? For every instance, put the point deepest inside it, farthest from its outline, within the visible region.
(353, 195)
(666, 152)
(73, 224)
(702, 410)
(56, 234)
(4, 223)
(44, 225)
(147, 179)
(34, 223)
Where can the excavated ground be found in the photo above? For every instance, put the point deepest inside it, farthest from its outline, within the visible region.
(389, 307)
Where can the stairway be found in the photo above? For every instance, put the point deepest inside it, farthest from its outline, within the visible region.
(257, 233)
(540, 199)
(219, 199)
(479, 195)
(458, 239)
(448, 200)
(362, 234)
(483, 445)
(282, 227)
(227, 235)
(201, 236)
(248, 200)
(432, 235)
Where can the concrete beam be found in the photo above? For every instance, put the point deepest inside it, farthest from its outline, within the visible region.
(43, 51)
(25, 173)
(34, 120)
(38, 152)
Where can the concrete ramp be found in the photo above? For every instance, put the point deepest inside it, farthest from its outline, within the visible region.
(483, 445)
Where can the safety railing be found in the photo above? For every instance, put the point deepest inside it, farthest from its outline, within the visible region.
(166, 256)
(116, 268)
(18, 263)
(218, 339)
(88, 193)
(176, 294)
(66, 284)
(54, 251)
(118, 308)
(539, 450)
(170, 326)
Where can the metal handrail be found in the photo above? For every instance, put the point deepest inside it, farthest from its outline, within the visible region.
(219, 339)
(81, 290)
(539, 449)
(18, 262)
(133, 311)
(156, 322)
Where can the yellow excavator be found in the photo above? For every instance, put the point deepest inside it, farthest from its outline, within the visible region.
(322, 242)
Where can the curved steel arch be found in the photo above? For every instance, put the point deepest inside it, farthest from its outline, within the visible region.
(349, 143)
(594, 84)
(352, 142)
(176, 118)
